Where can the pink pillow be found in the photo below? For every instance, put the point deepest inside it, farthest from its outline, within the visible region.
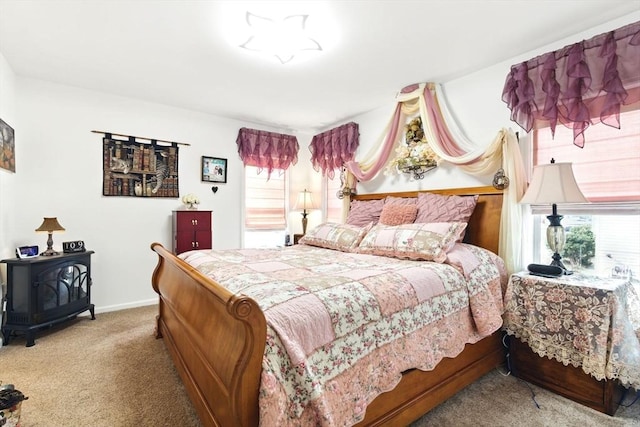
(439, 208)
(427, 242)
(398, 214)
(391, 200)
(363, 212)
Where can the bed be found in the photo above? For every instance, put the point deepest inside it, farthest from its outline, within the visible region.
(217, 338)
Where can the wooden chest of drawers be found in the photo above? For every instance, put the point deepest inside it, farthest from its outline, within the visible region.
(191, 230)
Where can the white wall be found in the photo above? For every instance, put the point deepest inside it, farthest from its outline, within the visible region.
(60, 174)
(7, 178)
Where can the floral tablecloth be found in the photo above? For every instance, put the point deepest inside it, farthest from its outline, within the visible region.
(588, 322)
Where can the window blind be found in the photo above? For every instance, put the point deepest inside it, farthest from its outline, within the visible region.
(264, 200)
(607, 169)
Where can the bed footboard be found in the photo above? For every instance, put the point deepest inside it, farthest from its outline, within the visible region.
(216, 340)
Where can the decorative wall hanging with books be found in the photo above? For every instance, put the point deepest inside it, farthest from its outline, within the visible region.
(139, 169)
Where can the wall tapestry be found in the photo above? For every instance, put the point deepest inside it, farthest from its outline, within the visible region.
(7, 147)
(137, 169)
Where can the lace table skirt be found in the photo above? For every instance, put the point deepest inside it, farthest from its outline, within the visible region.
(588, 322)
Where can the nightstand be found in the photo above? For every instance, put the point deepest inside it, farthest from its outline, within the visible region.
(296, 238)
(575, 335)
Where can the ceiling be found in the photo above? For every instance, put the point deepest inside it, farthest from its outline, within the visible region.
(178, 52)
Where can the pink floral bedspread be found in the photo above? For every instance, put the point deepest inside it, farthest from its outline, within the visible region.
(342, 327)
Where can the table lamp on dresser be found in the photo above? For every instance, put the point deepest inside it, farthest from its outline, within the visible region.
(49, 225)
(305, 203)
(554, 183)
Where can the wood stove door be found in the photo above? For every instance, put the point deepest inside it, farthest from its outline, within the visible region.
(61, 289)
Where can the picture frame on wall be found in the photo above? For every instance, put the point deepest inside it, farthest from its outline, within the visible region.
(214, 169)
(7, 147)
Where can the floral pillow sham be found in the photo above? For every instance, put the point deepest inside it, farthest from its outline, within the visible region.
(341, 237)
(427, 242)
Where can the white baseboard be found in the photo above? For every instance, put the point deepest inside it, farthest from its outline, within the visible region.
(108, 308)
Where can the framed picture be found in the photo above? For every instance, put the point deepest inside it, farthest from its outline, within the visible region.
(214, 169)
(7, 147)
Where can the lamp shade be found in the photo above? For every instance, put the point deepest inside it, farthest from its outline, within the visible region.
(305, 201)
(49, 225)
(553, 183)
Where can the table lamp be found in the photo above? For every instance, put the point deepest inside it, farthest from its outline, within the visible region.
(304, 203)
(554, 183)
(50, 225)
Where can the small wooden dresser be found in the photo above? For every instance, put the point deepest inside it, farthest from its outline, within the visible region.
(191, 230)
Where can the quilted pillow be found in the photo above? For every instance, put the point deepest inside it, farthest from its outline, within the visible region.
(428, 242)
(341, 237)
(363, 212)
(398, 214)
(391, 200)
(439, 208)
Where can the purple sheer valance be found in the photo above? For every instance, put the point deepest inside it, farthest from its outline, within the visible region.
(578, 85)
(267, 150)
(333, 148)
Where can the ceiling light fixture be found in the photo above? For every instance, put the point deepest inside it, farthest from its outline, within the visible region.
(283, 39)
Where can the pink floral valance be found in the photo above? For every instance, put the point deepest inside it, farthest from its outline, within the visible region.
(578, 85)
(333, 148)
(267, 150)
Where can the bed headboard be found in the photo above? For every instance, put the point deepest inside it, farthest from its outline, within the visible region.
(484, 225)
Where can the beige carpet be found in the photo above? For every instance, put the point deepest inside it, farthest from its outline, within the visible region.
(113, 372)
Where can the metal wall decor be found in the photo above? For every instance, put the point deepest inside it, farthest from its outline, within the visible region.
(414, 156)
(500, 180)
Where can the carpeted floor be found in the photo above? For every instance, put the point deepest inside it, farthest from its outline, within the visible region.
(113, 372)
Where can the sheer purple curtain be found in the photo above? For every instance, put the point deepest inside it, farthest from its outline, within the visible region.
(333, 148)
(267, 150)
(579, 85)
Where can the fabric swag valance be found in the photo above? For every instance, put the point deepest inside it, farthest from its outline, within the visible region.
(330, 150)
(267, 150)
(578, 85)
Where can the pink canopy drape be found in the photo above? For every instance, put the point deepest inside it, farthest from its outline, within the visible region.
(451, 145)
(267, 150)
(579, 85)
(446, 140)
(330, 150)
(368, 173)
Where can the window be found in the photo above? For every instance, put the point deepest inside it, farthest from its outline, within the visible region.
(264, 201)
(602, 237)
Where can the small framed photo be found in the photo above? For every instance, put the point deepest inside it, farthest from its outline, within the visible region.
(214, 169)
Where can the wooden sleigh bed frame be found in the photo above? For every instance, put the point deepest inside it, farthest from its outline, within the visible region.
(217, 339)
